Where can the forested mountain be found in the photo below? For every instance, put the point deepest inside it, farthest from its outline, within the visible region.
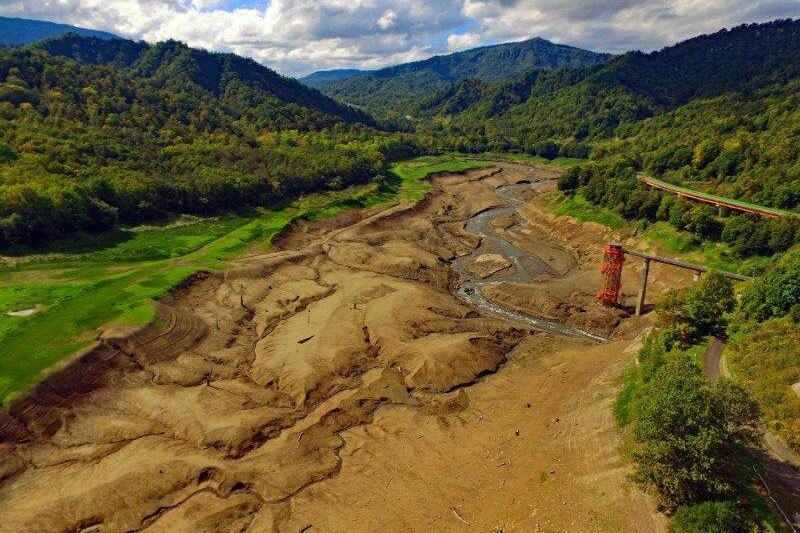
(133, 131)
(594, 103)
(727, 121)
(393, 91)
(16, 31)
(172, 64)
(324, 77)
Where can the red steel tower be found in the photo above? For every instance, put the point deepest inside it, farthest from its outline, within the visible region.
(612, 274)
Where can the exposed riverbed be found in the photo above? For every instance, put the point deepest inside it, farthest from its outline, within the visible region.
(526, 265)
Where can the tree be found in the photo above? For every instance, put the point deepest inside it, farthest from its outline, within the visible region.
(692, 434)
(699, 311)
(708, 302)
(776, 293)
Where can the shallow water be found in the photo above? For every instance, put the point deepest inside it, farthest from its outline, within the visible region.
(526, 265)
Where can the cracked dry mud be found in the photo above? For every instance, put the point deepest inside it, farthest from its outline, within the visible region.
(338, 385)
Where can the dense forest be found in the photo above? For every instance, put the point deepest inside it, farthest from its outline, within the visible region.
(604, 102)
(742, 144)
(130, 132)
(95, 131)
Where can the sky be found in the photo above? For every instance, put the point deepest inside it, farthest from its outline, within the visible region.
(296, 37)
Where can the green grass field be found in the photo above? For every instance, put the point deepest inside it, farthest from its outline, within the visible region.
(89, 281)
(577, 206)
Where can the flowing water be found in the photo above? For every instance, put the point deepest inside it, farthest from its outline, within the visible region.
(526, 265)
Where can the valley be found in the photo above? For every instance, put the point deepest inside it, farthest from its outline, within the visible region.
(340, 371)
(367, 299)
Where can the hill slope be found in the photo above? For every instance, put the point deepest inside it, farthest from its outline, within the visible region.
(324, 77)
(393, 90)
(17, 31)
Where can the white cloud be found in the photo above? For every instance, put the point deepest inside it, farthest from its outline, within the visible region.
(618, 25)
(299, 36)
(463, 41)
(387, 20)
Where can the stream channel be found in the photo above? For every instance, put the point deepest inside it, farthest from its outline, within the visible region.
(526, 265)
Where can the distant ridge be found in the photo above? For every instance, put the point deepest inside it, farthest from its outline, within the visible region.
(391, 90)
(17, 31)
(323, 77)
(174, 65)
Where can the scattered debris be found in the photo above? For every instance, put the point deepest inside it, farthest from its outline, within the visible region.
(303, 341)
(458, 516)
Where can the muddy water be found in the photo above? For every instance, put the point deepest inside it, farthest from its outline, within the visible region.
(526, 265)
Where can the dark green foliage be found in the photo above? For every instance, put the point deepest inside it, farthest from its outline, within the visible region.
(612, 182)
(119, 52)
(324, 77)
(710, 517)
(689, 315)
(691, 434)
(775, 293)
(244, 85)
(705, 111)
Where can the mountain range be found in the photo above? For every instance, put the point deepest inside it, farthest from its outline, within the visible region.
(17, 31)
(392, 90)
(194, 126)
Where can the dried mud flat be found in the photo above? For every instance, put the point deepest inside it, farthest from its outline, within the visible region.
(339, 385)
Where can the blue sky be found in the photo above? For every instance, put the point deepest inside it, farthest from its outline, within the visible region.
(297, 37)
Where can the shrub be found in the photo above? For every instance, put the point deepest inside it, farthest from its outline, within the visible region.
(709, 517)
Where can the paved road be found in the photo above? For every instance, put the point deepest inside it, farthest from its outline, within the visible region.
(713, 358)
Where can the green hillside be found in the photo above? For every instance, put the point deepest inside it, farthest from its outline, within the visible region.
(601, 102)
(85, 146)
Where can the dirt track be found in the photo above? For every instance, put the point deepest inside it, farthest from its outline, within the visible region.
(339, 385)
